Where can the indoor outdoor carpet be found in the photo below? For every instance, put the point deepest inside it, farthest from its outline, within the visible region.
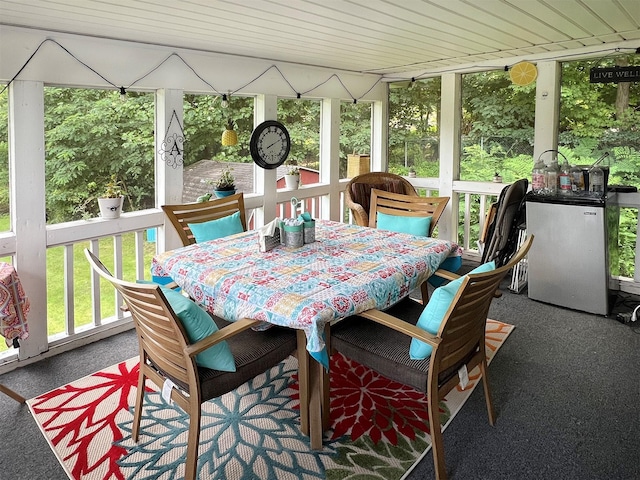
(379, 427)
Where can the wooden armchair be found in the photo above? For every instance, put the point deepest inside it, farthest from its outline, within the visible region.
(167, 353)
(184, 214)
(357, 194)
(382, 342)
(406, 206)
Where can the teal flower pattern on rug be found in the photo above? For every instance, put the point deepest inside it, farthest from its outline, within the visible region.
(251, 433)
(379, 429)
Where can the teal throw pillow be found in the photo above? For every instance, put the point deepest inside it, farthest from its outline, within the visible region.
(198, 325)
(433, 314)
(397, 223)
(213, 229)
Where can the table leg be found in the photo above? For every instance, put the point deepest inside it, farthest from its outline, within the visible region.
(303, 381)
(326, 387)
(315, 404)
(17, 397)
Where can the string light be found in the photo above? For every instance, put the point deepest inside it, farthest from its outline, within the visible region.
(225, 97)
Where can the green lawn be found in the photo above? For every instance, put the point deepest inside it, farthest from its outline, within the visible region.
(82, 280)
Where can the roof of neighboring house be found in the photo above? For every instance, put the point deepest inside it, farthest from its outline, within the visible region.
(196, 177)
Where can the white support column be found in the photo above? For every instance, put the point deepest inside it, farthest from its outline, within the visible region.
(27, 183)
(547, 108)
(380, 134)
(169, 175)
(330, 156)
(265, 108)
(450, 129)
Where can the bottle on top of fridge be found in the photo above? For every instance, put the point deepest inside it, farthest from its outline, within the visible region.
(537, 177)
(551, 174)
(577, 179)
(565, 178)
(596, 180)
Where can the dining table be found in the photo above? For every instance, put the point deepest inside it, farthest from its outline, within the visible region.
(347, 270)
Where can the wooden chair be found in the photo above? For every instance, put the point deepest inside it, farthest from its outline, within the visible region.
(181, 215)
(357, 194)
(406, 205)
(15, 395)
(381, 341)
(165, 353)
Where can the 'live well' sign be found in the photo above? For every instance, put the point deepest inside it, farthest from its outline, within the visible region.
(615, 74)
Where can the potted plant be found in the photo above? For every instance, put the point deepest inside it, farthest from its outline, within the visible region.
(110, 202)
(292, 177)
(225, 185)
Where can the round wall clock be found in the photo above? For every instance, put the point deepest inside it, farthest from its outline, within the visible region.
(270, 144)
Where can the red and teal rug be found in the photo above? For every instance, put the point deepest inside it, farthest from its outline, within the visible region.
(379, 427)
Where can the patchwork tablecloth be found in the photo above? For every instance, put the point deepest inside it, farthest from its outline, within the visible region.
(349, 269)
(14, 306)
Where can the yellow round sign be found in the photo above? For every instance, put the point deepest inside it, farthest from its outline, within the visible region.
(523, 73)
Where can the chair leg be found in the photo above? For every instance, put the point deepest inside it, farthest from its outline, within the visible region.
(424, 291)
(487, 393)
(137, 412)
(437, 442)
(192, 443)
(16, 396)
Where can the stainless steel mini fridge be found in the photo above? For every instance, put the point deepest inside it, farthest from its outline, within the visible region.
(568, 261)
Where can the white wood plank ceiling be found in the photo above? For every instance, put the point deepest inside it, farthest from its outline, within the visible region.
(390, 37)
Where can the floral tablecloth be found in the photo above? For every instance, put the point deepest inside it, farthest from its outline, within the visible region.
(347, 270)
(14, 306)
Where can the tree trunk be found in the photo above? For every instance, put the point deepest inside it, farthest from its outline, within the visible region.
(622, 94)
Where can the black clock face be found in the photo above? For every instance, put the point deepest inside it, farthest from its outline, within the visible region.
(270, 144)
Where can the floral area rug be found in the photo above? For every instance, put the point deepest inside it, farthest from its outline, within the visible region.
(379, 428)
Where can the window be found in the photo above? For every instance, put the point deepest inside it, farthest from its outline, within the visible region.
(414, 121)
(302, 119)
(5, 221)
(205, 120)
(498, 120)
(90, 135)
(355, 134)
(603, 118)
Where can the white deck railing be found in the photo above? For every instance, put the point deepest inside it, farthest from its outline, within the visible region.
(473, 200)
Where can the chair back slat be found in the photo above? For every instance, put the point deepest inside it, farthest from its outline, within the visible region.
(182, 215)
(161, 336)
(463, 329)
(406, 206)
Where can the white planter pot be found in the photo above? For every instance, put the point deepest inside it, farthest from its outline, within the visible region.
(110, 207)
(292, 181)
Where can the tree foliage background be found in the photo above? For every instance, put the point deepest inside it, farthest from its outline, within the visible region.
(498, 120)
(91, 134)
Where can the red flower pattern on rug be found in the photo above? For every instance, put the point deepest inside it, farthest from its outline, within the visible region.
(75, 415)
(82, 418)
(366, 403)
